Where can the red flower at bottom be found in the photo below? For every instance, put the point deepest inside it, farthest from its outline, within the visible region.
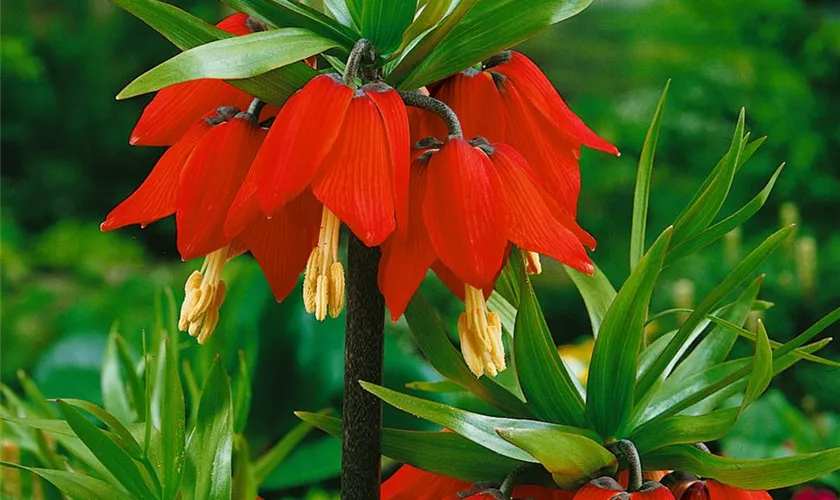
(689, 487)
(411, 483)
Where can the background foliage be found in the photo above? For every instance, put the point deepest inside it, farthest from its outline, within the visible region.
(66, 162)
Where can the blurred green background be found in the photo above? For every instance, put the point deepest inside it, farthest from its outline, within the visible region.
(66, 162)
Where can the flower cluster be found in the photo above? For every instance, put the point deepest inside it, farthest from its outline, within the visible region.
(410, 483)
(450, 191)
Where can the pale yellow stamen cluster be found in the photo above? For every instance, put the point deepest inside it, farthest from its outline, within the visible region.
(532, 263)
(323, 281)
(204, 294)
(480, 332)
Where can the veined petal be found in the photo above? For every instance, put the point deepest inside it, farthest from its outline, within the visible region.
(395, 119)
(553, 155)
(530, 223)
(356, 181)
(155, 198)
(168, 116)
(209, 182)
(302, 135)
(473, 96)
(604, 488)
(244, 209)
(423, 124)
(463, 212)
(651, 490)
(283, 243)
(526, 75)
(410, 483)
(407, 255)
(235, 23)
(456, 284)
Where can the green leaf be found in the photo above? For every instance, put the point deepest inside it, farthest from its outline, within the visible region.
(245, 484)
(210, 446)
(274, 456)
(480, 429)
(231, 59)
(432, 340)
(437, 452)
(52, 425)
(738, 275)
(683, 429)
(597, 292)
(34, 395)
(289, 14)
(382, 21)
(766, 474)
(612, 371)
(136, 390)
(571, 459)
(438, 386)
(241, 395)
(699, 214)
(75, 485)
(487, 29)
(827, 320)
(168, 416)
(641, 195)
(718, 230)
(337, 9)
(762, 369)
(114, 389)
(111, 454)
(429, 17)
(545, 381)
(186, 31)
(121, 434)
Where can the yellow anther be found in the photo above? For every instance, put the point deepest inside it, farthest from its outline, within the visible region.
(532, 263)
(323, 281)
(204, 293)
(480, 332)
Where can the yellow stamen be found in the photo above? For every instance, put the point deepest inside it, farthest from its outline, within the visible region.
(323, 280)
(532, 263)
(480, 332)
(204, 294)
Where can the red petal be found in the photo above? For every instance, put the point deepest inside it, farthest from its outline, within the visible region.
(552, 154)
(473, 96)
(410, 483)
(155, 198)
(463, 212)
(720, 491)
(527, 77)
(236, 24)
(356, 181)
(244, 209)
(302, 135)
(283, 243)
(651, 490)
(424, 124)
(455, 284)
(394, 118)
(168, 116)
(209, 182)
(407, 255)
(530, 223)
(604, 488)
(542, 493)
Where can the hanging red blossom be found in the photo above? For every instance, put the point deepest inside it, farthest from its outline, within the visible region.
(607, 488)
(687, 486)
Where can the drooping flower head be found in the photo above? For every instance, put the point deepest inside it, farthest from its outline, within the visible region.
(607, 488)
(687, 486)
(349, 149)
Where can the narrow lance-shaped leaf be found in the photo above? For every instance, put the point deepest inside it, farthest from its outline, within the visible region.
(765, 474)
(241, 395)
(382, 21)
(437, 452)
(478, 428)
(738, 275)
(762, 368)
(487, 29)
(269, 461)
(571, 459)
(136, 390)
(718, 230)
(431, 15)
(641, 194)
(612, 371)
(681, 429)
(169, 418)
(113, 457)
(233, 58)
(76, 485)
(546, 383)
(123, 437)
(699, 214)
(114, 389)
(597, 292)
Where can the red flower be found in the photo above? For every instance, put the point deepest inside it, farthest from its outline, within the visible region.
(410, 483)
(175, 108)
(348, 148)
(197, 179)
(514, 103)
(606, 488)
(689, 487)
(468, 204)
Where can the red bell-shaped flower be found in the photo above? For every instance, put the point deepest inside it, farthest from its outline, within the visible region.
(511, 101)
(410, 483)
(468, 204)
(687, 486)
(607, 488)
(175, 108)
